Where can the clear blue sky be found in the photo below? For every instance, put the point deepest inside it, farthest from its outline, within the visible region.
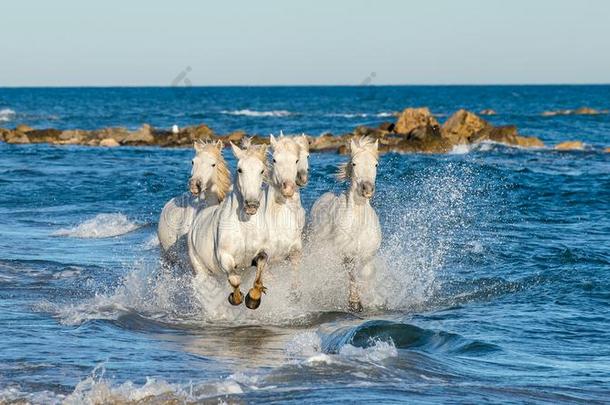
(69, 42)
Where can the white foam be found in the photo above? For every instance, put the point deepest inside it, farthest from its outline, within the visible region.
(306, 347)
(379, 351)
(96, 389)
(254, 113)
(460, 149)
(362, 115)
(152, 242)
(6, 114)
(101, 226)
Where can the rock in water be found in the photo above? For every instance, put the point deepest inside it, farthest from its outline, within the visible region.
(143, 136)
(109, 143)
(412, 118)
(461, 126)
(570, 145)
(487, 111)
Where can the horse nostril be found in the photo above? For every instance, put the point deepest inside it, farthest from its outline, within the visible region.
(367, 189)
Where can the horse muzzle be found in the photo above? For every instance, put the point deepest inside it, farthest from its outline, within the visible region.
(287, 189)
(251, 207)
(367, 189)
(302, 179)
(196, 186)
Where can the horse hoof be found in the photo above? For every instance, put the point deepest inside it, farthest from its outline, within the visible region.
(251, 302)
(355, 306)
(233, 301)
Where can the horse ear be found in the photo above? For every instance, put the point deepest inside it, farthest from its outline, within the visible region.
(198, 146)
(281, 133)
(272, 140)
(236, 151)
(220, 145)
(377, 144)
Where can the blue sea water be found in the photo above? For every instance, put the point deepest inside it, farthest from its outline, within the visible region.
(492, 285)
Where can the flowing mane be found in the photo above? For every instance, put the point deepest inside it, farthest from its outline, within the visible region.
(363, 144)
(222, 176)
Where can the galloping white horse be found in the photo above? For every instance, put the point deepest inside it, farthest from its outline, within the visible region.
(347, 222)
(284, 214)
(210, 177)
(228, 238)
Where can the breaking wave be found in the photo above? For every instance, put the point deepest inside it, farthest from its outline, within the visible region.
(253, 113)
(101, 226)
(6, 114)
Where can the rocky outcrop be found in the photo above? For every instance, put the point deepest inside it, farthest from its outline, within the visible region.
(578, 111)
(570, 145)
(461, 126)
(142, 136)
(487, 111)
(412, 118)
(416, 130)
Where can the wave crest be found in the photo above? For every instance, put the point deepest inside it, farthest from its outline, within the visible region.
(253, 113)
(6, 114)
(101, 226)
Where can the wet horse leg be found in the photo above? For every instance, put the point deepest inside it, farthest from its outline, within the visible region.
(253, 298)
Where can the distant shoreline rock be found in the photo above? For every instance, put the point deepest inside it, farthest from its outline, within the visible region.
(416, 130)
(578, 111)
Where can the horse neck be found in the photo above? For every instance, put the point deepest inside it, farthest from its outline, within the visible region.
(211, 197)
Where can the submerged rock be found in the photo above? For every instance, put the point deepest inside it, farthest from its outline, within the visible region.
(570, 145)
(578, 111)
(487, 111)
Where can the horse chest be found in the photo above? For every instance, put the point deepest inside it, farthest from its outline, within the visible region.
(358, 232)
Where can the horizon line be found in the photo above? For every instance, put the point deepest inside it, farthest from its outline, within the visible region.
(298, 85)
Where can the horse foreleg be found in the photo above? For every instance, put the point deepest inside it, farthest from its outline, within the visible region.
(353, 301)
(228, 266)
(235, 297)
(253, 298)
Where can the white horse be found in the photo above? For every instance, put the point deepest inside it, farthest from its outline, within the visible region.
(348, 223)
(226, 239)
(283, 213)
(210, 177)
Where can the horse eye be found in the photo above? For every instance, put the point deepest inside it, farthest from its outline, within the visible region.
(353, 164)
(274, 161)
(213, 164)
(263, 171)
(376, 164)
(192, 162)
(297, 160)
(239, 170)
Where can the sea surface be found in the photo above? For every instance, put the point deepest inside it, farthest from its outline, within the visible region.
(492, 284)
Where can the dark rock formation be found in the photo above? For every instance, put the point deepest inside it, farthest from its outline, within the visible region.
(416, 130)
